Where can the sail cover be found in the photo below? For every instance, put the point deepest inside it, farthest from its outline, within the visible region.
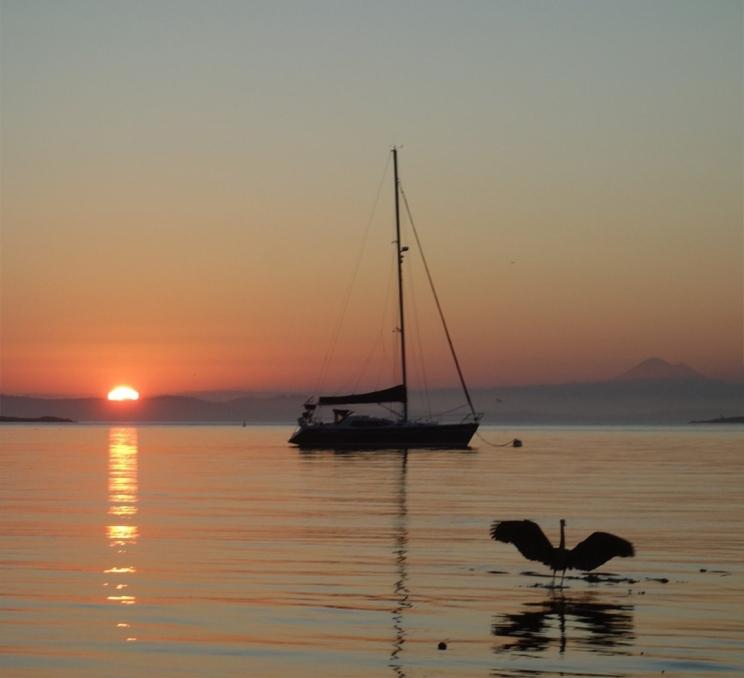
(395, 394)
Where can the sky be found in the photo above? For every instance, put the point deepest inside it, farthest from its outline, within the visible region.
(186, 187)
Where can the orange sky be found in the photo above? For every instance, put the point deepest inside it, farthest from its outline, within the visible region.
(184, 196)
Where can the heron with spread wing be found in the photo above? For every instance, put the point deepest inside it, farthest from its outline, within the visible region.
(530, 540)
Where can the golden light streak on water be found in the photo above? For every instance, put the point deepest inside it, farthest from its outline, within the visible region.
(122, 489)
(122, 534)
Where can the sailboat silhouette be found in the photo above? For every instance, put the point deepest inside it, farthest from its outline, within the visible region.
(356, 431)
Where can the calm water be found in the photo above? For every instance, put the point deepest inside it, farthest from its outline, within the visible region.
(220, 551)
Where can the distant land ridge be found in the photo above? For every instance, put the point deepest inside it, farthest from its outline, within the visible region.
(657, 369)
(720, 420)
(35, 420)
(653, 392)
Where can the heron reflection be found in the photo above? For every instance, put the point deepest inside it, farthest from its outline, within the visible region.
(122, 534)
(593, 625)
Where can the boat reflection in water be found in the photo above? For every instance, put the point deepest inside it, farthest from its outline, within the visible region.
(121, 532)
(401, 596)
(401, 593)
(605, 628)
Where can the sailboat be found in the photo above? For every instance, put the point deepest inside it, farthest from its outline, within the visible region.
(348, 430)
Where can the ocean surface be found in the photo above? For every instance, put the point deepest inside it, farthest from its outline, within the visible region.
(221, 551)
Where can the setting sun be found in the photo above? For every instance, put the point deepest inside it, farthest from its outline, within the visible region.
(123, 393)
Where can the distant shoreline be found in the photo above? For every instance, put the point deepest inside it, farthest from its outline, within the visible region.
(720, 420)
(36, 420)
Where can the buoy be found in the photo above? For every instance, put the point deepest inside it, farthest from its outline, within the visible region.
(442, 645)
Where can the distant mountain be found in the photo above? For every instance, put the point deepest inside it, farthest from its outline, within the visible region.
(656, 369)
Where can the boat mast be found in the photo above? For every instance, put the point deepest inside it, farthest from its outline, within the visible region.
(399, 253)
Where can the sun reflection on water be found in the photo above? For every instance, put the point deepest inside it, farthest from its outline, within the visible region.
(123, 536)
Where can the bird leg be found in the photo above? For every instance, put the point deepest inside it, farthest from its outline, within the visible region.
(563, 575)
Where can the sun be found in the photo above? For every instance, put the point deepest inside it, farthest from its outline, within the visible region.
(123, 393)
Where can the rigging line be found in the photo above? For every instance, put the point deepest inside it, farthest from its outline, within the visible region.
(379, 340)
(439, 306)
(386, 312)
(411, 288)
(339, 323)
(389, 409)
(451, 410)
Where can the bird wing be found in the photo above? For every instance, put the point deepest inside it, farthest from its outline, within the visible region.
(597, 549)
(526, 536)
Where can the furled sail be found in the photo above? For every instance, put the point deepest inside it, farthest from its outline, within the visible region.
(395, 394)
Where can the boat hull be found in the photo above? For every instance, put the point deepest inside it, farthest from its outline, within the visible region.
(398, 436)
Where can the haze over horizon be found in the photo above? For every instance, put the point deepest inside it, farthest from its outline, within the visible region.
(184, 189)
(650, 370)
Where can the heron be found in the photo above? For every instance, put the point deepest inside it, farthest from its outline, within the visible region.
(530, 540)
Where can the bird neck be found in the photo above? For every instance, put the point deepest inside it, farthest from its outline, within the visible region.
(563, 537)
